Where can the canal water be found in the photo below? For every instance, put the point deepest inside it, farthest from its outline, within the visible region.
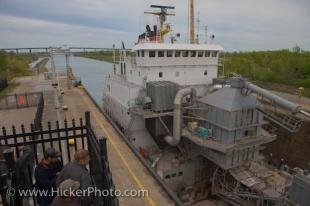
(91, 72)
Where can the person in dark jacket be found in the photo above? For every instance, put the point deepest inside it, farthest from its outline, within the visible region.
(46, 175)
(77, 171)
(56, 165)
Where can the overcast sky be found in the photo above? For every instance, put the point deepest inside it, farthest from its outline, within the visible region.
(237, 24)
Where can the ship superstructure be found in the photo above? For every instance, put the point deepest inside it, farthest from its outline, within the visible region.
(199, 133)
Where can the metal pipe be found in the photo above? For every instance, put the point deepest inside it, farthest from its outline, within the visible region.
(307, 114)
(177, 115)
(273, 98)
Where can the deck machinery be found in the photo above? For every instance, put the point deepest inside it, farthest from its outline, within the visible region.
(218, 137)
(202, 135)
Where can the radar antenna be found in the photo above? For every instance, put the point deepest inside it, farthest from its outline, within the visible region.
(162, 14)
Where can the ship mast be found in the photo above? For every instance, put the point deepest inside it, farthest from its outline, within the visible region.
(191, 22)
(162, 14)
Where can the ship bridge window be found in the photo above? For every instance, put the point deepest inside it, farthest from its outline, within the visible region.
(177, 53)
(151, 53)
(185, 53)
(160, 74)
(214, 53)
(193, 53)
(161, 53)
(205, 73)
(207, 54)
(200, 53)
(138, 53)
(169, 53)
(142, 53)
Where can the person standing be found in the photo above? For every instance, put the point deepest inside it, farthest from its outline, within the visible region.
(77, 171)
(67, 197)
(45, 176)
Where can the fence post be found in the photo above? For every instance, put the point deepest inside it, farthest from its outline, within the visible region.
(16, 101)
(3, 188)
(103, 147)
(26, 97)
(87, 118)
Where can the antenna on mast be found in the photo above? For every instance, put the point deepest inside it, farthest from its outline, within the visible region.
(206, 34)
(198, 25)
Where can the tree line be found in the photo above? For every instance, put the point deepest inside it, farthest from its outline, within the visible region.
(283, 67)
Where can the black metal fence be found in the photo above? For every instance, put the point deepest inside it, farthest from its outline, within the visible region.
(22, 100)
(38, 117)
(3, 83)
(19, 153)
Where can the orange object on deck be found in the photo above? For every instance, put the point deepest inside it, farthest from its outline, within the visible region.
(21, 100)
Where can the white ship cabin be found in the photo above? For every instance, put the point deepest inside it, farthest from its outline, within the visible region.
(185, 64)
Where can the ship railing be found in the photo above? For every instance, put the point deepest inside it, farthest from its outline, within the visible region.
(149, 40)
(132, 60)
(221, 61)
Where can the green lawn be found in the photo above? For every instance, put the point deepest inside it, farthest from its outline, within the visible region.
(14, 65)
(268, 67)
(8, 90)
